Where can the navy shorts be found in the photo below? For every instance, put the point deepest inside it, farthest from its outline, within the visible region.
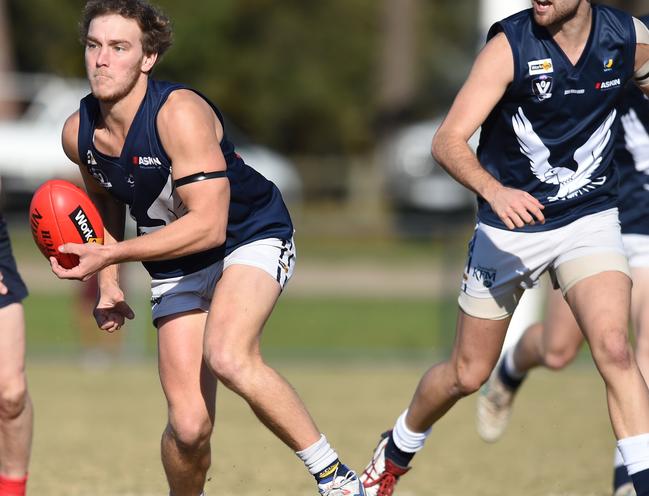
(10, 277)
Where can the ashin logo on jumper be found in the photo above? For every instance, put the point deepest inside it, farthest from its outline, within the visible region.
(487, 276)
(146, 161)
(607, 85)
(542, 87)
(83, 225)
(543, 66)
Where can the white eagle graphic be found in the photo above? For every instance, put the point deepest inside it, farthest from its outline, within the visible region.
(588, 156)
(636, 140)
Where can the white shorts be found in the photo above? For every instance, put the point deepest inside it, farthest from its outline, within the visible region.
(502, 264)
(194, 291)
(636, 247)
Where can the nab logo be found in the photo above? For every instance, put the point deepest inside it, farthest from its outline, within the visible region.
(607, 85)
(542, 87)
(146, 161)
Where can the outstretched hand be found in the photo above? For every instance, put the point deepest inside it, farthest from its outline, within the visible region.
(92, 258)
(111, 310)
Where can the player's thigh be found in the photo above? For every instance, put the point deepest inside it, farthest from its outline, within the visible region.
(601, 305)
(245, 295)
(243, 300)
(12, 343)
(640, 306)
(186, 381)
(561, 333)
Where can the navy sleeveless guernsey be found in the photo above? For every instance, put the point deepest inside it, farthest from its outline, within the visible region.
(141, 178)
(632, 161)
(552, 134)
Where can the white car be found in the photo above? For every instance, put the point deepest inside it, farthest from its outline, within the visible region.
(420, 191)
(31, 144)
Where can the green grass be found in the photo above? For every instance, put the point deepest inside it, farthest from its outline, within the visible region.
(97, 432)
(298, 326)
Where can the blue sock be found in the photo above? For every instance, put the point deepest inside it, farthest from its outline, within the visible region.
(620, 477)
(641, 482)
(507, 379)
(336, 469)
(398, 457)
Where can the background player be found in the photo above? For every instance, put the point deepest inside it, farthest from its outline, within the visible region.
(545, 90)
(16, 414)
(554, 343)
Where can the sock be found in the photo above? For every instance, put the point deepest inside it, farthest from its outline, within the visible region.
(620, 473)
(13, 487)
(635, 451)
(322, 461)
(404, 443)
(508, 373)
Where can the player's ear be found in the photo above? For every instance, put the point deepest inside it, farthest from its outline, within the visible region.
(148, 61)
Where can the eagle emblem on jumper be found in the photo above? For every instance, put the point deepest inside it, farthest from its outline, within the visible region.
(571, 183)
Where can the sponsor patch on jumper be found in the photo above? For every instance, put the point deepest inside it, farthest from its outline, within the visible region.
(607, 85)
(542, 66)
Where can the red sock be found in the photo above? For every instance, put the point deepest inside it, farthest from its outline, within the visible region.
(13, 487)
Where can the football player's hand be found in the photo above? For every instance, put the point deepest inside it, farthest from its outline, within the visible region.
(516, 208)
(3, 288)
(111, 310)
(92, 257)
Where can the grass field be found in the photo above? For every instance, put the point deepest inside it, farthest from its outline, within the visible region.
(354, 350)
(97, 432)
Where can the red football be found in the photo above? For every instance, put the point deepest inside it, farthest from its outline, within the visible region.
(60, 213)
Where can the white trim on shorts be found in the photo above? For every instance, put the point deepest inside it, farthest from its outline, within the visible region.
(502, 263)
(194, 291)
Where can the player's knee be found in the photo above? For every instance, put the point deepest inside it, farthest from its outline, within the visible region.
(13, 399)
(190, 431)
(230, 367)
(470, 377)
(559, 359)
(612, 350)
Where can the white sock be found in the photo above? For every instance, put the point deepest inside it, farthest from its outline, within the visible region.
(618, 461)
(318, 456)
(405, 439)
(510, 365)
(635, 451)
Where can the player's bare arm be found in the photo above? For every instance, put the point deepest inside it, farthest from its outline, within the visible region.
(111, 310)
(492, 72)
(190, 133)
(641, 74)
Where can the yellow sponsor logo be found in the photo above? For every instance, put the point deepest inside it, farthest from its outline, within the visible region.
(328, 471)
(99, 241)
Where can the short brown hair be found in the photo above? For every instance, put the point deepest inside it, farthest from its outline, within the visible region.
(157, 35)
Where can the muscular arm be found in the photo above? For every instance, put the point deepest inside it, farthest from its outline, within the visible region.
(111, 211)
(641, 67)
(111, 310)
(190, 134)
(492, 72)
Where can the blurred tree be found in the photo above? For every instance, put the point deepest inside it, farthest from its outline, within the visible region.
(299, 76)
